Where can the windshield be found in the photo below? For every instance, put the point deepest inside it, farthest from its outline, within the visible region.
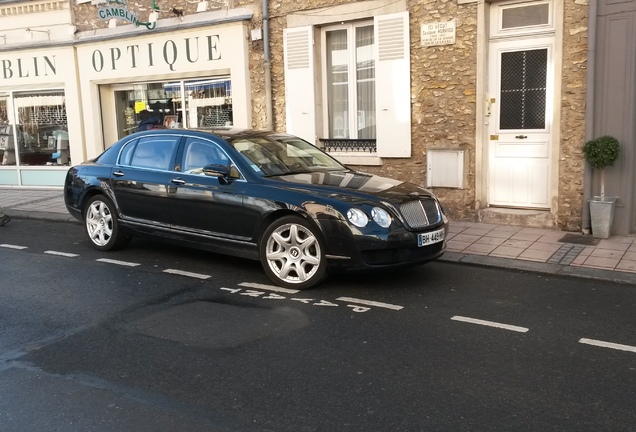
(282, 154)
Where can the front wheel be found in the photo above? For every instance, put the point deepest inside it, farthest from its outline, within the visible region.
(292, 253)
(102, 225)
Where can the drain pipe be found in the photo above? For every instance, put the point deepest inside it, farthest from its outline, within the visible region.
(267, 63)
(589, 111)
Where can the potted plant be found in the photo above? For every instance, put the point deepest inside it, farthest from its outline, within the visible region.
(601, 153)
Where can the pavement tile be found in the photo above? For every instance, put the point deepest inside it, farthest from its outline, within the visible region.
(607, 253)
(467, 238)
(500, 234)
(526, 236)
(479, 249)
(535, 255)
(547, 247)
(507, 252)
(523, 244)
(531, 230)
(457, 246)
(613, 245)
(631, 256)
(490, 241)
(477, 231)
(601, 262)
(626, 265)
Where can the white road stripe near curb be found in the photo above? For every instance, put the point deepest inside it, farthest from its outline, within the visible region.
(189, 274)
(64, 254)
(8, 246)
(370, 303)
(268, 287)
(608, 345)
(490, 324)
(121, 263)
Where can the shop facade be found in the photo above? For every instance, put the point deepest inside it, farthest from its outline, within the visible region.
(184, 77)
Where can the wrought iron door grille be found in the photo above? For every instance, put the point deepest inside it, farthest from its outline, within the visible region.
(523, 89)
(349, 145)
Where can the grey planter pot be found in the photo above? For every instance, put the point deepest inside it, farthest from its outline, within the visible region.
(602, 216)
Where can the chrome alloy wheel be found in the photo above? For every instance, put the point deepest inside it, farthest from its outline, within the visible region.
(99, 223)
(293, 253)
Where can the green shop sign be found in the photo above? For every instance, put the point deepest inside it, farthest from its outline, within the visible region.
(118, 9)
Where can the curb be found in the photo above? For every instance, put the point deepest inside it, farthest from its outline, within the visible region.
(538, 267)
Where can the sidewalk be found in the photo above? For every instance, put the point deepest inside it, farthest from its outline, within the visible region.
(513, 247)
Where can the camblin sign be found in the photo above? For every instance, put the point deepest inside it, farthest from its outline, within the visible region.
(118, 9)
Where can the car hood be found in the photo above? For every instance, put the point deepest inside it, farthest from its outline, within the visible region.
(356, 185)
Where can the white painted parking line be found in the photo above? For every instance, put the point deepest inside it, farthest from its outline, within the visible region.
(268, 287)
(64, 254)
(370, 303)
(608, 345)
(490, 324)
(121, 263)
(189, 274)
(9, 246)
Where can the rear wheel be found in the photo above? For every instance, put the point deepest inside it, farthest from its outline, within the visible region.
(292, 253)
(102, 225)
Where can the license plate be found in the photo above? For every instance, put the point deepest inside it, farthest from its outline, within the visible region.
(430, 238)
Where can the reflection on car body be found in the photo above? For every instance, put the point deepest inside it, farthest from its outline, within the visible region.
(259, 195)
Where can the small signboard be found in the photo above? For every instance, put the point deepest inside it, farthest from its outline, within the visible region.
(438, 33)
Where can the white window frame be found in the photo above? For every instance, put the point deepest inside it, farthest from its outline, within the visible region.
(496, 20)
(352, 70)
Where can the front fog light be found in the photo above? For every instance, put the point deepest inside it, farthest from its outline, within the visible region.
(381, 217)
(357, 217)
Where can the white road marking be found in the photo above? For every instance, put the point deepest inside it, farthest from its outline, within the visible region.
(64, 254)
(370, 303)
(268, 287)
(8, 246)
(122, 263)
(607, 345)
(189, 274)
(491, 324)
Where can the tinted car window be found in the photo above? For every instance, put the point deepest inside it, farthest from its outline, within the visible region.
(199, 153)
(126, 153)
(154, 152)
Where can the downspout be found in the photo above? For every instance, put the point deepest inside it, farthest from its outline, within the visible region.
(589, 110)
(268, 67)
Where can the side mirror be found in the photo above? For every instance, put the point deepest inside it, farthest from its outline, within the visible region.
(217, 170)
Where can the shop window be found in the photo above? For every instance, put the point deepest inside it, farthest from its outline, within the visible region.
(196, 103)
(41, 128)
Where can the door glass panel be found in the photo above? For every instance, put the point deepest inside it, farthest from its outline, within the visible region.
(209, 103)
(365, 81)
(338, 83)
(523, 89)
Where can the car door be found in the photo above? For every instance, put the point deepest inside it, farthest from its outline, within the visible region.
(142, 179)
(205, 204)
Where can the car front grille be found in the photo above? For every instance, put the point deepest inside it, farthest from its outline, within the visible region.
(421, 213)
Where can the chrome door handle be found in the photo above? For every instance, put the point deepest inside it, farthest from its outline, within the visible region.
(118, 173)
(521, 137)
(178, 181)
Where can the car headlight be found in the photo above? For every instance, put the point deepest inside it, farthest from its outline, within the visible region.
(357, 217)
(381, 217)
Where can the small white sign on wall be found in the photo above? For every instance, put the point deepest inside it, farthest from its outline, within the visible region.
(438, 33)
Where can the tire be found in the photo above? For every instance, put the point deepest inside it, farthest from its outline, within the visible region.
(102, 225)
(292, 253)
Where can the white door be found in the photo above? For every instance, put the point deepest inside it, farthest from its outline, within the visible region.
(521, 92)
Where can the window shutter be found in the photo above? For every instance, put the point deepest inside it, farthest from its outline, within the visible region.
(393, 85)
(299, 82)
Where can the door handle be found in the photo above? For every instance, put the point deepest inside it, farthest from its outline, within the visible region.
(118, 173)
(521, 137)
(178, 181)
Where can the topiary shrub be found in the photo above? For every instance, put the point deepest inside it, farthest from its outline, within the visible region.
(600, 153)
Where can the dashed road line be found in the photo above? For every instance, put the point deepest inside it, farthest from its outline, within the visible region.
(189, 274)
(490, 324)
(608, 345)
(121, 263)
(64, 254)
(10, 246)
(268, 287)
(370, 303)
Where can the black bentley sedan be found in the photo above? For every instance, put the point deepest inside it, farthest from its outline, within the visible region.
(260, 195)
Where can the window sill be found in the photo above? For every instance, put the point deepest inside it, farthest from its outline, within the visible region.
(361, 158)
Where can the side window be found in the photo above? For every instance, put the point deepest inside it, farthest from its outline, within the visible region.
(199, 153)
(154, 152)
(126, 153)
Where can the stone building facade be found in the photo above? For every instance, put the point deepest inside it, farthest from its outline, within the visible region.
(453, 101)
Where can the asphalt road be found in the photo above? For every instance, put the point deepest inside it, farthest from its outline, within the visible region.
(158, 338)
